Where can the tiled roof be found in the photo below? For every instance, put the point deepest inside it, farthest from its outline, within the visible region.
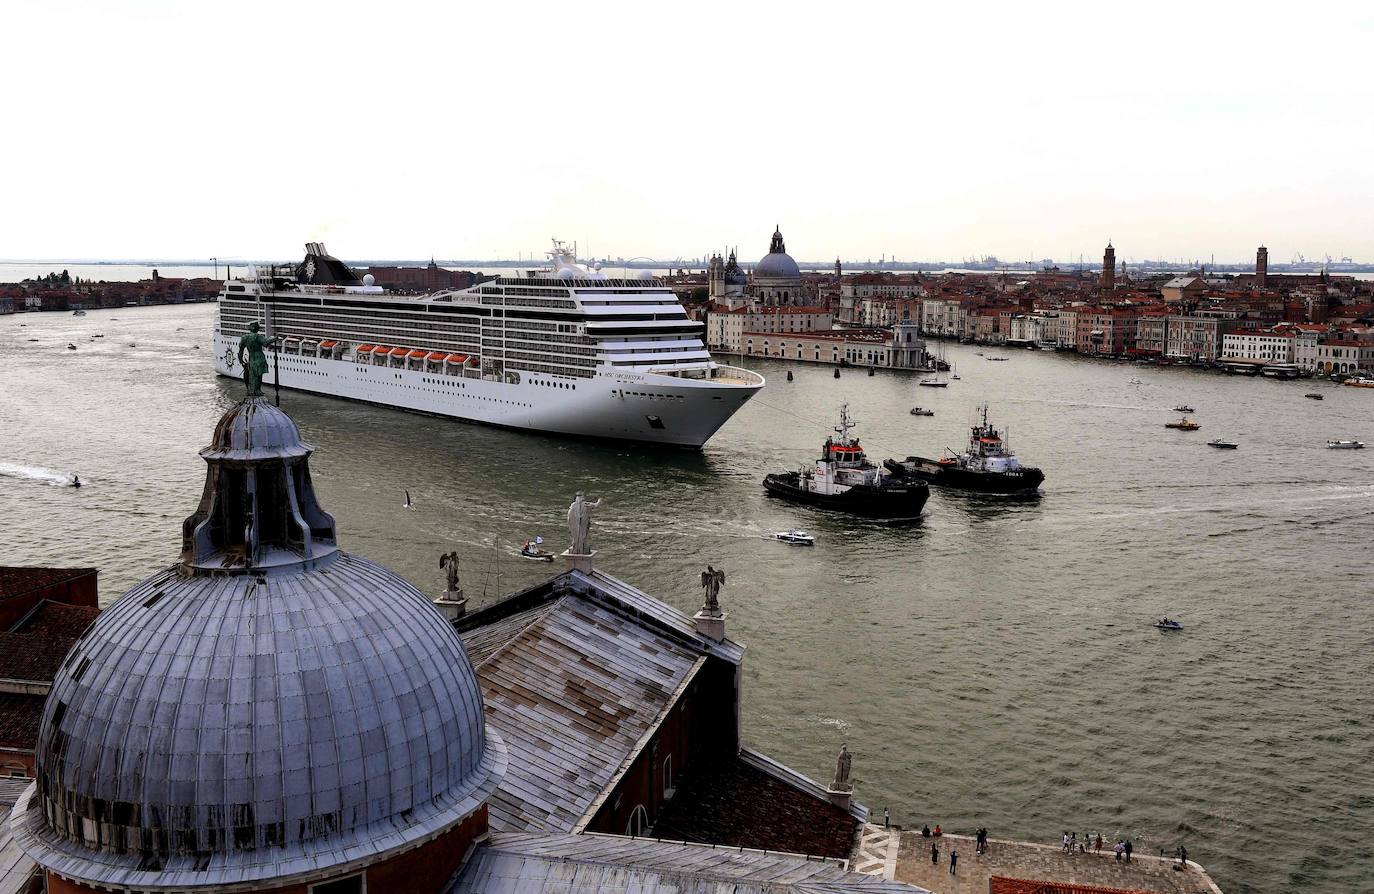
(534, 864)
(19, 581)
(19, 719)
(57, 621)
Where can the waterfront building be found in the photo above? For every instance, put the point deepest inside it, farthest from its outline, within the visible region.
(776, 279)
(1107, 331)
(1195, 338)
(943, 316)
(1109, 268)
(1151, 334)
(900, 347)
(726, 329)
(1260, 347)
(1032, 329)
(1346, 353)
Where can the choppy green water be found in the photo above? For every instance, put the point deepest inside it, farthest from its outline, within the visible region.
(994, 665)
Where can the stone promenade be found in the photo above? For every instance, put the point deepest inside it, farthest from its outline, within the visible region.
(908, 860)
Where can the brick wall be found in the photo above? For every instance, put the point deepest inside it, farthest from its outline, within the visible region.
(1002, 885)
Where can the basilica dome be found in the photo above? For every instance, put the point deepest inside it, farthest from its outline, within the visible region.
(777, 264)
(268, 709)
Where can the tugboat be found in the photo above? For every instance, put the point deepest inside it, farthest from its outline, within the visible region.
(988, 465)
(843, 479)
(1184, 424)
(532, 549)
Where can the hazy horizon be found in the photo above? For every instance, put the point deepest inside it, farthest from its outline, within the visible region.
(156, 129)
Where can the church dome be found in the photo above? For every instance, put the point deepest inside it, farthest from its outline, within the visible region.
(777, 264)
(257, 722)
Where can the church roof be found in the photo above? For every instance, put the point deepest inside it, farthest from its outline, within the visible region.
(575, 673)
(544, 864)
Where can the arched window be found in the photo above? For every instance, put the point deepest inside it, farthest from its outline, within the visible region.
(639, 821)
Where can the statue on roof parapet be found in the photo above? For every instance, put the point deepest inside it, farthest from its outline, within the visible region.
(580, 525)
(711, 581)
(843, 764)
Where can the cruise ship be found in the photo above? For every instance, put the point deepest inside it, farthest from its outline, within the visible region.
(566, 350)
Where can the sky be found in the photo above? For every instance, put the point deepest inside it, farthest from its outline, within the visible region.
(481, 130)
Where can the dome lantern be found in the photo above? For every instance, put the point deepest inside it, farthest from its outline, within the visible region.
(258, 509)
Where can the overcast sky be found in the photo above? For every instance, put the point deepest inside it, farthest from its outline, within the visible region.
(482, 129)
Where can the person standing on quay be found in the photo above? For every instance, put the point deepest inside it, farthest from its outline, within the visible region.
(1129, 848)
(1066, 842)
(934, 854)
(953, 861)
(1097, 845)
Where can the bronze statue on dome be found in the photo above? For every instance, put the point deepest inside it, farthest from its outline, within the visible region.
(253, 357)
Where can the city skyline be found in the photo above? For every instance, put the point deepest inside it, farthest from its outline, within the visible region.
(923, 133)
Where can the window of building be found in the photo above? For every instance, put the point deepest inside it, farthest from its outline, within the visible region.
(352, 884)
(639, 822)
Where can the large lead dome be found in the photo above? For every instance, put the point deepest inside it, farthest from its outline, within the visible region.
(267, 707)
(777, 264)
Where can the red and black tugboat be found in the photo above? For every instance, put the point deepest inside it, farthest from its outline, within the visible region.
(844, 480)
(988, 465)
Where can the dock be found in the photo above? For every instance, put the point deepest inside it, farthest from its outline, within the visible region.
(1020, 867)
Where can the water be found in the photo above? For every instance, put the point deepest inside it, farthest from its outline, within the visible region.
(994, 665)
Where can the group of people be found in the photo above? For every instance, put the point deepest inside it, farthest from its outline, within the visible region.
(981, 846)
(1074, 845)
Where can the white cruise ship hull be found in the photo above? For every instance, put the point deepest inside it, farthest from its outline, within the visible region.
(614, 404)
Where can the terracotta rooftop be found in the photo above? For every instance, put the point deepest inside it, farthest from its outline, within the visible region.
(19, 717)
(18, 581)
(34, 648)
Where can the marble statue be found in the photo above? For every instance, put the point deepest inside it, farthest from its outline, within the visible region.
(842, 764)
(253, 358)
(449, 561)
(711, 580)
(580, 525)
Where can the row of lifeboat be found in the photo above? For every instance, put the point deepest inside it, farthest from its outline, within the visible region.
(387, 353)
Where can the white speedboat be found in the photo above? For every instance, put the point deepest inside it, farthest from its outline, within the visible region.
(1344, 445)
(801, 538)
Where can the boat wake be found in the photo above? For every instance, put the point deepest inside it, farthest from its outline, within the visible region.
(34, 473)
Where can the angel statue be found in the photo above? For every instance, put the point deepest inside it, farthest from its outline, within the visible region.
(711, 580)
(449, 561)
(842, 764)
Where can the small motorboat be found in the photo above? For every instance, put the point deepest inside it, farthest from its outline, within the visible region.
(531, 550)
(1315, 396)
(921, 411)
(71, 347)
(78, 313)
(1223, 445)
(1167, 623)
(933, 383)
(1183, 408)
(789, 375)
(997, 358)
(1344, 445)
(800, 538)
(1184, 424)
(955, 376)
(1136, 382)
